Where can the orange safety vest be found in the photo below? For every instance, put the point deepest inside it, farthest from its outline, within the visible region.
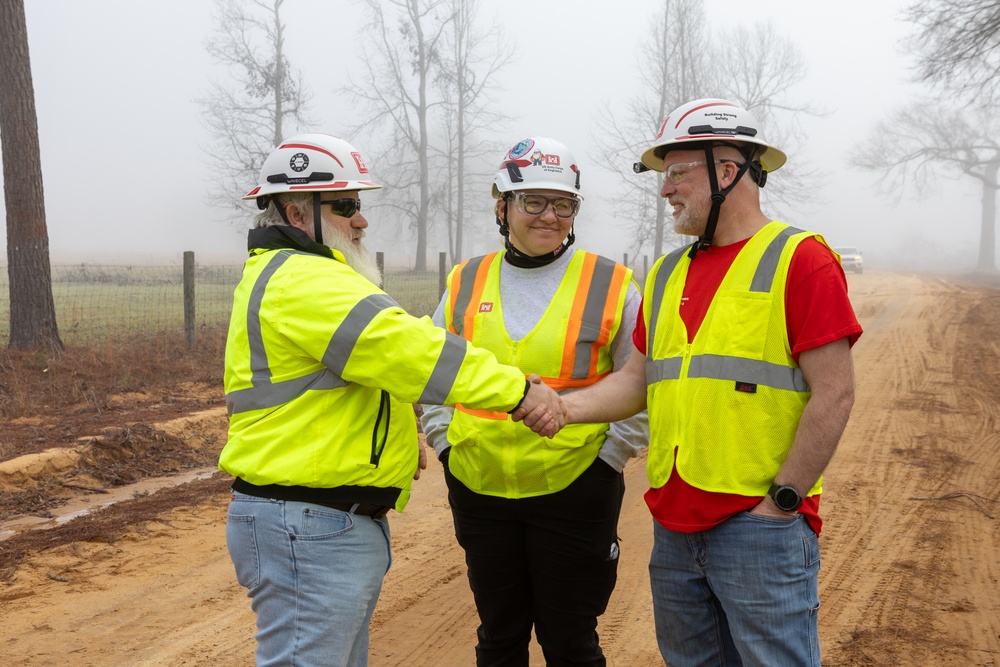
(569, 348)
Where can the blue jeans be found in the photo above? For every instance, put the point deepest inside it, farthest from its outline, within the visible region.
(742, 593)
(313, 574)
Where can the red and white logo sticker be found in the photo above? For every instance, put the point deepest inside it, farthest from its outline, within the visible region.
(486, 307)
(360, 162)
(552, 159)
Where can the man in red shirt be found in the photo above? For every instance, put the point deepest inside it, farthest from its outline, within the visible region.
(744, 363)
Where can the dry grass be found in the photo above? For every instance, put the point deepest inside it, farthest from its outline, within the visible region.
(32, 382)
(108, 397)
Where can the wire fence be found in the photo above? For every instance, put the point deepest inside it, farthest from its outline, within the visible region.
(100, 305)
(104, 305)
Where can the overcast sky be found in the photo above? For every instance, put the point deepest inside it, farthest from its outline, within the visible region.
(125, 173)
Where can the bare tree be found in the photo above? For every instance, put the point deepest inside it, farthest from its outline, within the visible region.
(673, 67)
(32, 309)
(469, 65)
(248, 120)
(680, 62)
(910, 146)
(958, 45)
(761, 69)
(397, 89)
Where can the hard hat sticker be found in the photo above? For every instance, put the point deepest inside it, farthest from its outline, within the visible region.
(299, 162)
(521, 148)
(358, 160)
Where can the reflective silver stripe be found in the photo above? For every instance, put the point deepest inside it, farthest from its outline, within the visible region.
(268, 395)
(763, 277)
(263, 393)
(658, 370)
(662, 276)
(445, 371)
(593, 315)
(718, 367)
(349, 332)
(260, 372)
(468, 280)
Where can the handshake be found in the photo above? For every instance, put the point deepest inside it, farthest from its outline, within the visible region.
(542, 410)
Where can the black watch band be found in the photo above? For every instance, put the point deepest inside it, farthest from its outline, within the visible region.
(787, 498)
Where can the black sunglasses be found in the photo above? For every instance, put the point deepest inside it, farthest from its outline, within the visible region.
(345, 207)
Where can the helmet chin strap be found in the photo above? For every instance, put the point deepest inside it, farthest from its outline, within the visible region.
(317, 218)
(317, 215)
(718, 196)
(519, 259)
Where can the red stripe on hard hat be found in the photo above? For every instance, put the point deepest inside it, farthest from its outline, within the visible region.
(252, 192)
(315, 148)
(703, 106)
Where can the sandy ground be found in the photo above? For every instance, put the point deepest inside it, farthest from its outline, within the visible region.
(909, 548)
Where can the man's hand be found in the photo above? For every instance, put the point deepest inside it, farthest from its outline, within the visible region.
(542, 410)
(421, 460)
(767, 507)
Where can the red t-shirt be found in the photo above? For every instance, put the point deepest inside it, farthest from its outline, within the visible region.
(814, 277)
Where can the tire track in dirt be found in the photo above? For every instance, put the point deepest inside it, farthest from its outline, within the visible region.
(893, 600)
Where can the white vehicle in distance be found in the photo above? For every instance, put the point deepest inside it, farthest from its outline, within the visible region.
(850, 258)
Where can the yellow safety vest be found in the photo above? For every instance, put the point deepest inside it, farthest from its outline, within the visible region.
(303, 380)
(731, 400)
(570, 347)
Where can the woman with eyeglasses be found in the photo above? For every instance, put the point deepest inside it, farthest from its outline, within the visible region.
(538, 517)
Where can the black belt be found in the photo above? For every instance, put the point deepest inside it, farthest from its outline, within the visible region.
(361, 509)
(322, 497)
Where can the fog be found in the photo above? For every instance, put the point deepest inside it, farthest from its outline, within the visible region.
(126, 178)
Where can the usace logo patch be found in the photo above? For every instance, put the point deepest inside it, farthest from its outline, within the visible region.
(486, 307)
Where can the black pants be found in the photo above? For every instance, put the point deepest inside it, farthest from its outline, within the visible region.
(550, 561)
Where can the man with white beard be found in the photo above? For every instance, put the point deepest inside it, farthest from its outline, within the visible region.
(320, 368)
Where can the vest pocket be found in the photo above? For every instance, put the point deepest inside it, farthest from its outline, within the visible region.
(462, 432)
(739, 324)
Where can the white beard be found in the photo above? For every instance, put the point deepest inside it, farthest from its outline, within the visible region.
(357, 255)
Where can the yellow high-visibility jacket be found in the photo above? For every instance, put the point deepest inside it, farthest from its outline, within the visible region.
(570, 347)
(321, 367)
(730, 402)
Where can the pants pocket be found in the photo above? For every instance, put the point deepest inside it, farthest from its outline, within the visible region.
(241, 540)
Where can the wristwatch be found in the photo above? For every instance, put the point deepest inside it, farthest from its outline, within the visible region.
(785, 497)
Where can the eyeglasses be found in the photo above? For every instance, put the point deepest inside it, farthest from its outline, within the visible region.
(563, 207)
(677, 172)
(345, 207)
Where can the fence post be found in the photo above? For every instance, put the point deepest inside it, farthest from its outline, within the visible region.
(380, 261)
(626, 260)
(189, 298)
(645, 266)
(442, 273)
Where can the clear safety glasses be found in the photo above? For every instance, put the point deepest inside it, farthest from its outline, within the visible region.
(676, 172)
(564, 207)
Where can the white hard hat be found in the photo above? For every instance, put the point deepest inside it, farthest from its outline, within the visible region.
(537, 163)
(312, 163)
(710, 120)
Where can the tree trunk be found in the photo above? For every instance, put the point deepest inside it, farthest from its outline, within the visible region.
(32, 311)
(988, 237)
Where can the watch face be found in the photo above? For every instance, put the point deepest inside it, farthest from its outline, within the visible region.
(786, 498)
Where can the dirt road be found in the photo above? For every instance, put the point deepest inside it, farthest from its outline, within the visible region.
(910, 543)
